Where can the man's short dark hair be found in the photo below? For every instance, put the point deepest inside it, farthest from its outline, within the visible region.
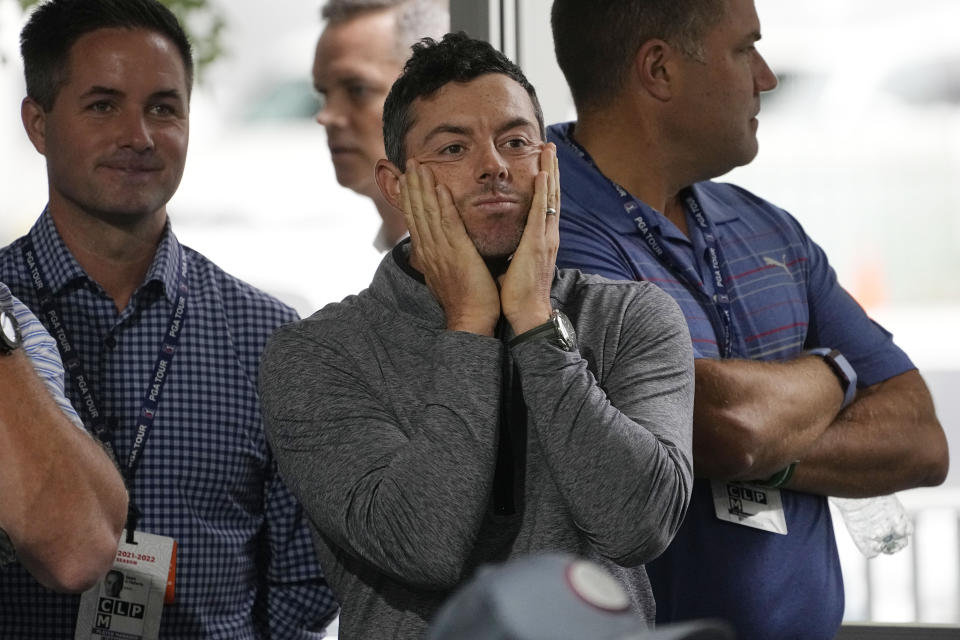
(596, 41)
(455, 58)
(55, 26)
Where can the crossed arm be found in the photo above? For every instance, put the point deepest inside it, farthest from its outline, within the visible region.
(64, 503)
(752, 418)
(761, 416)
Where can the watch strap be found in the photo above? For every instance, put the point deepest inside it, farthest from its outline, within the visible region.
(841, 367)
(541, 330)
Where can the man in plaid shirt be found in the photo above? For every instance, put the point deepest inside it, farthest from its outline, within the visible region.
(161, 346)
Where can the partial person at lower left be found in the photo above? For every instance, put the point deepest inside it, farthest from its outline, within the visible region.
(63, 501)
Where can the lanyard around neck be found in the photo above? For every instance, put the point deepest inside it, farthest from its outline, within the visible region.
(90, 404)
(718, 306)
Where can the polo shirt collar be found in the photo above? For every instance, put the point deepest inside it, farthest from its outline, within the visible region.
(718, 212)
(582, 178)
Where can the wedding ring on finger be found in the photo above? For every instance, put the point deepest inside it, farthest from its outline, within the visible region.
(551, 211)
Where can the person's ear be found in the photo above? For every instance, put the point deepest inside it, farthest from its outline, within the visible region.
(35, 123)
(388, 180)
(653, 68)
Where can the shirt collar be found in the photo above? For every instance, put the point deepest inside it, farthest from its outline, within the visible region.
(61, 268)
(166, 264)
(720, 212)
(402, 287)
(581, 182)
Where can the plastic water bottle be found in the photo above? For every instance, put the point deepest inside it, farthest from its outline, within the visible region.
(877, 525)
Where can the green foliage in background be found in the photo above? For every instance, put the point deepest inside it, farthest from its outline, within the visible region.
(203, 22)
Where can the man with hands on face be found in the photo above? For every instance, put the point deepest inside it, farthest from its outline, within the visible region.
(160, 348)
(475, 404)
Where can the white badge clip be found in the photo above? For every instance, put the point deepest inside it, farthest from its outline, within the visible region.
(128, 602)
(749, 505)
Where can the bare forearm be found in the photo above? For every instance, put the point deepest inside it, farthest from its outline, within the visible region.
(889, 439)
(70, 502)
(753, 418)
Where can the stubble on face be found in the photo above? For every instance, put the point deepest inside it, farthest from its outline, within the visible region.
(496, 236)
(482, 141)
(719, 97)
(115, 140)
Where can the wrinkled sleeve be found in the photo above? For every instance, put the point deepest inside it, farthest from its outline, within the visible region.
(41, 348)
(43, 354)
(839, 322)
(403, 494)
(619, 449)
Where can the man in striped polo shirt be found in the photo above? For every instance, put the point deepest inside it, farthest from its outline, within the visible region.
(799, 395)
(63, 501)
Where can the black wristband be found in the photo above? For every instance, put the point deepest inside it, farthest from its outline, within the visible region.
(557, 330)
(546, 330)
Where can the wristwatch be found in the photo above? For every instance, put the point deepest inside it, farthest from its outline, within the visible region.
(842, 368)
(557, 329)
(9, 329)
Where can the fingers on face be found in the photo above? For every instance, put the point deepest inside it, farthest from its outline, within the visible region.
(555, 179)
(547, 153)
(412, 178)
(445, 198)
(428, 193)
(536, 219)
(550, 166)
(552, 171)
(551, 186)
(424, 211)
(432, 208)
(445, 219)
(407, 205)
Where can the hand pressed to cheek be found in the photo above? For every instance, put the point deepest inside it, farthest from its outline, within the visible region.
(455, 273)
(525, 288)
(438, 226)
(412, 199)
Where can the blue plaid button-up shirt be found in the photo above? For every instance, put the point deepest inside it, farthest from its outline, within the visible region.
(246, 567)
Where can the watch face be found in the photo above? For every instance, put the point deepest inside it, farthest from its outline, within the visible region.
(9, 332)
(565, 331)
